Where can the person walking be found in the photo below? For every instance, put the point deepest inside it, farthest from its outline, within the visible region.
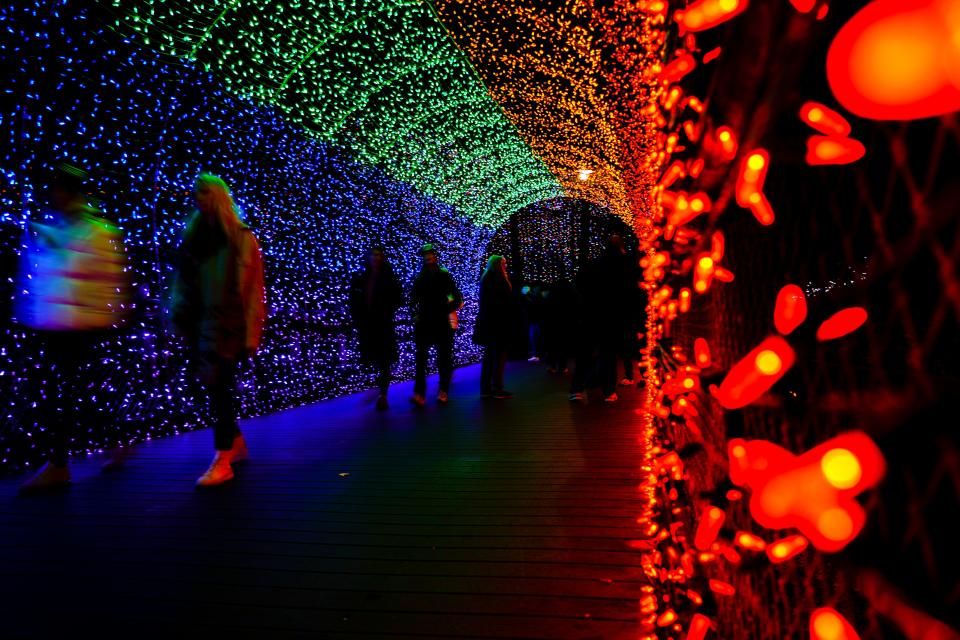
(75, 293)
(494, 325)
(435, 301)
(375, 296)
(218, 306)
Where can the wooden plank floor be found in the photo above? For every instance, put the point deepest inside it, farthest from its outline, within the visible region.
(480, 519)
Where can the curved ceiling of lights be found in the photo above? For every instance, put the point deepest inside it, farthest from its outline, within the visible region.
(488, 106)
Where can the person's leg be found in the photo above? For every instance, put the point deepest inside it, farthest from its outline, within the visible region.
(421, 347)
(223, 390)
(445, 360)
(500, 364)
(608, 369)
(219, 376)
(486, 370)
(383, 375)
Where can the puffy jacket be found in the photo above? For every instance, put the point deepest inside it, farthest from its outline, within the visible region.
(218, 292)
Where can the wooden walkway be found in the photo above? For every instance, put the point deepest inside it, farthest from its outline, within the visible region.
(480, 519)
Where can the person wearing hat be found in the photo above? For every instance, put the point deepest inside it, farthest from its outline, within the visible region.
(434, 301)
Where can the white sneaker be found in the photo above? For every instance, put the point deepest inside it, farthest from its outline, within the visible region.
(49, 476)
(533, 359)
(611, 398)
(219, 472)
(627, 382)
(577, 397)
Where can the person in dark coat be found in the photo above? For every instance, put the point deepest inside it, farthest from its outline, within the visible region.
(435, 301)
(375, 296)
(558, 326)
(493, 328)
(605, 318)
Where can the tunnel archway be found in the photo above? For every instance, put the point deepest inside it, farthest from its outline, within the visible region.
(550, 240)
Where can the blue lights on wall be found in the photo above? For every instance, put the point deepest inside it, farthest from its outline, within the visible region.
(144, 126)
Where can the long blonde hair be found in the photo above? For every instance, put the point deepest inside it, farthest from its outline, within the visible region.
(222, 203)
(496, 270)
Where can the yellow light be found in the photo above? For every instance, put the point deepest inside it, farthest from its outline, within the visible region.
(706, 262)
(827, 626)
(768, 362)
(729, 5)
(835, 524)
(756, 162)
(841, 468)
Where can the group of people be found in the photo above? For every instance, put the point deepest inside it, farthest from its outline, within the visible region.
(435, 301)
(75, 293)
(596, 319)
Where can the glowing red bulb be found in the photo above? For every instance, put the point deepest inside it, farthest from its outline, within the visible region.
(842, 323)
(791, 309)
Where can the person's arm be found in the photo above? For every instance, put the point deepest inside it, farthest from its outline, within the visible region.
(454, 296)
(253, 293)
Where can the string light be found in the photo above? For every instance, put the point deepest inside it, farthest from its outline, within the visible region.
(145, 125)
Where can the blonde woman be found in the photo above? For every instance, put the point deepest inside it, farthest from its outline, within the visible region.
(218, 306)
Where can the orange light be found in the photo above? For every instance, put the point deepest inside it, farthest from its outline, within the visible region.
(666, 618)
(717, 246)
(815, 492)
(722, 588)
(699, 626)
(825, 120)
(703, 274)
(706, 14)
(827, 624)
(841, 468)
(677, 69)
(842, 323)
(672, 174)
(701, 352)
(896, 60)
(750, 541)
(694, 103)
(749, 192)
(708, 527)
(685, 297)
(723, 275)
(672, 96)
(755, 373)
(833, 150)
(786, 548)
(696, 167)
(728, 142)
(790, 310)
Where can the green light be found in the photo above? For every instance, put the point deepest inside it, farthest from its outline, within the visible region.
(381, 78)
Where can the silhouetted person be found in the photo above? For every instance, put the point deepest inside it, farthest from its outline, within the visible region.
(533, 303)
(617, 317)
(375, 296)
(604, 296)
(558, 325)
(494, 326)
(218, 306)
(75, 291)
(435, 301)
(628, 314)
